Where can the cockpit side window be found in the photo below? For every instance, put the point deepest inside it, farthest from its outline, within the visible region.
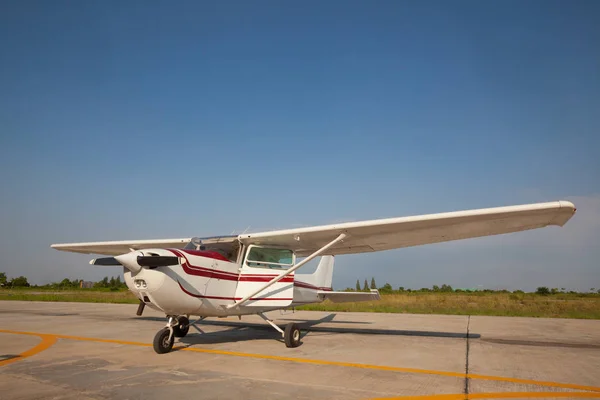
(266, 257)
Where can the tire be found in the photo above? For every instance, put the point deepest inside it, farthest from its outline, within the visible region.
(161, 343)
(182, 328)
(291, 335)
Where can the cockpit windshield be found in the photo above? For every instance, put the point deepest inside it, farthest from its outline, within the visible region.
(227, 246)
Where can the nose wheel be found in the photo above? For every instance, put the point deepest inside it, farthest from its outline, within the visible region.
(164, 339)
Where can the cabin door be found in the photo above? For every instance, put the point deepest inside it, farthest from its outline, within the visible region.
(259, 266)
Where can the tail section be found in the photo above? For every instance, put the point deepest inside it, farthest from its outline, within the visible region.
(323, 275)
(316, 287)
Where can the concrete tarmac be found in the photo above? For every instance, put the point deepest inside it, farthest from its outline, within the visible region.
(104, 351)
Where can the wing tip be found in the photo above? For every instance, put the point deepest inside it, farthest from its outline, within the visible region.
(567, 204)
(566, 211)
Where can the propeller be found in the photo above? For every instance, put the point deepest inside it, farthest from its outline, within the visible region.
(141, 261)
(157, 261)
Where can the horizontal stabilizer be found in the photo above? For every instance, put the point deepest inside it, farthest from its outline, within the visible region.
(349, 297)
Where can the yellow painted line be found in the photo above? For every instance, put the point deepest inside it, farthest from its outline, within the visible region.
(80, 338)
(461, 396)
(504, 395)
(47, 342)
(325, 362)
(517, 395)
(532, 382)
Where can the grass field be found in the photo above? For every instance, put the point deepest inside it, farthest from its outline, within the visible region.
(499, 304)
(585, 306)
(74, 295)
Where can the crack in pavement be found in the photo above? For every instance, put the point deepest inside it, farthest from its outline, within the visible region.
(466, 389)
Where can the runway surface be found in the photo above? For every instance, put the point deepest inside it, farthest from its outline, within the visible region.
(104, 351)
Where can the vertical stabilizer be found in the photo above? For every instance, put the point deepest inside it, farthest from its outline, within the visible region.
(323, 276)
(308, 286)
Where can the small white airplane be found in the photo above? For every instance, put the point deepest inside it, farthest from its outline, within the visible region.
(255, 273)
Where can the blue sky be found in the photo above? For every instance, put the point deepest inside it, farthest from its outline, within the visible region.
(141, 120)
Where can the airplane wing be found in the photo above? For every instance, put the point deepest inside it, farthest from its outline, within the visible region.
(393, 233)
(120, 247)
(348, 297)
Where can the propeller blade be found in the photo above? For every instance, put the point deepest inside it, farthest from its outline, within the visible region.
(105, 261)
(140, 309)
(157, 261)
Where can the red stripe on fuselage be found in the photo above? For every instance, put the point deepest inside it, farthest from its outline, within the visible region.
(207, 254)
(312, 287)
(200, 296)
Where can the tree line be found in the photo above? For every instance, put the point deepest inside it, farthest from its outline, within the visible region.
(388, 289)
(21, 281)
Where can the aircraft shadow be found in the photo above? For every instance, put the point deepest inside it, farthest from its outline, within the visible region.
(235, 334)
(250, 331)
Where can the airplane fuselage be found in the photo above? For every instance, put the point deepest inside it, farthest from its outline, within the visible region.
(205, 283)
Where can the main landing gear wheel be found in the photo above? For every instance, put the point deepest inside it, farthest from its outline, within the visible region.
(162, 344)
(182, 327)
(291, 335)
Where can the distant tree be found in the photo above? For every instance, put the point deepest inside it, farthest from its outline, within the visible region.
(446, 288)
(554, 291)
(401, 289)
(599, 291)
(357, 285)
(592, 289)
(562, 289)
(543, 290)
(366, 286)
(518, 291)
(65, 283)
(112, 282)
(3, 278)
(387, 288)
(373, 284)
(436, 288)
(19, 282)
(409, 290)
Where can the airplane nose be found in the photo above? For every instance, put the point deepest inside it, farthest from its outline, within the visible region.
(130, 261)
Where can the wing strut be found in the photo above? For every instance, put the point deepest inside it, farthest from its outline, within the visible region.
(289, 271)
